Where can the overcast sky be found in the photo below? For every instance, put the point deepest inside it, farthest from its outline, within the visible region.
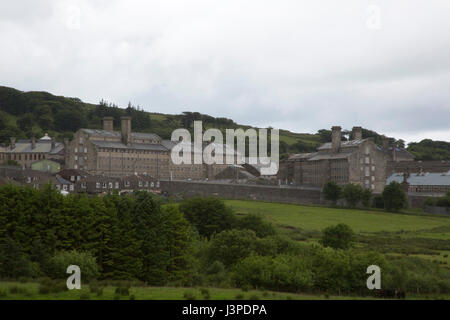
(296, 65)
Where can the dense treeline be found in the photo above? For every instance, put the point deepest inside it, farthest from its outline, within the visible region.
(199, 242)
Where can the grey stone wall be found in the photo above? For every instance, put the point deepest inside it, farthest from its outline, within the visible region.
(242, 192)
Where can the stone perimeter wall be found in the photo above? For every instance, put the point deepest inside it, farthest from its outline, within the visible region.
(187, 189)
(242, 192)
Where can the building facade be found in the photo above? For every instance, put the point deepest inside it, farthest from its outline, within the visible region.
(358, 161)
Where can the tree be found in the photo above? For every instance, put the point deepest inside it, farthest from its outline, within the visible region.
(230, 246)
(208, 215)
(25, 122)
(13, 263)
(353, 194)
(394, 197)
(340, 236)
(366, 196)
(332, 191)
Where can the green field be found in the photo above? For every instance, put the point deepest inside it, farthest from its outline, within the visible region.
(30, 291)
(313, 218)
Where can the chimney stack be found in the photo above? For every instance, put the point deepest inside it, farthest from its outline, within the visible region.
(357, 133)
(126, 130)
(108, 123)
(335, 139)
(33, 143)
(385, 143)
(13, 143)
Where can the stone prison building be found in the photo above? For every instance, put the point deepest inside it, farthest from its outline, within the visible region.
(359, 161)
(122, 153)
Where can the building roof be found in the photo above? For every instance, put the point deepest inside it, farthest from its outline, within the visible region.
(42, 146)
(134, 146)
(327, 156)
(422, 179)
(344, 144)
(301, 156)
(118, 134)
(142, 135)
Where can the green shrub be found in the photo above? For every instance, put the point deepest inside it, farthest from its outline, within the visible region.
(189, 295)
(122, 291)
(239, 296)
(132, 297)
(378, 202)
(18, 290)
(208, 215)
(57, 265)
(205, 293)
(353, 194)
(257, 224)
(394, 197)
(254, 297)
(3, 293)
(85, 296)
(332, 191)
(340, 236)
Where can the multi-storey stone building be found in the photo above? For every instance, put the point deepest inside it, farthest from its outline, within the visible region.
(28, 152)
(120, 153)
(359, 161)
(113, 153)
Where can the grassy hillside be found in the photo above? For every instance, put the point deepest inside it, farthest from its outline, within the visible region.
(27, 114)
(395, 234)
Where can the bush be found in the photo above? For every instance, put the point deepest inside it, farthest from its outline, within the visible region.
(122, 291)
(18, 290)
(85, 296)
(332, 191)
(57, 265)
(340, 236)
(208, 215)
(239, 296)
(394, 197)
(231, 246)
(254, 297)
(353, 194)
(189, 295)
(366, 196)
(257, 224)
(205, 293)
(378, 202)
(3, 293)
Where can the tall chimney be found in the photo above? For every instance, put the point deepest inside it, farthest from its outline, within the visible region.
(126, 130)
(13, 143)
(66, 152)
(335, 139)
(385, 143)
(33, 143)
(108, 123)
(357, 133)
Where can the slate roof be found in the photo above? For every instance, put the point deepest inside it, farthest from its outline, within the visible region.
(135, 146)
(118, 134)
(424, 179)
(24, 146)
(344, 144)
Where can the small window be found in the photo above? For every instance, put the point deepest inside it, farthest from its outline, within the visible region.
(104, 185)
(117, 185)
(83, 185)
(110, 185)
(97, 185)
(127, 183)
(71, 187)
(65, 187)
